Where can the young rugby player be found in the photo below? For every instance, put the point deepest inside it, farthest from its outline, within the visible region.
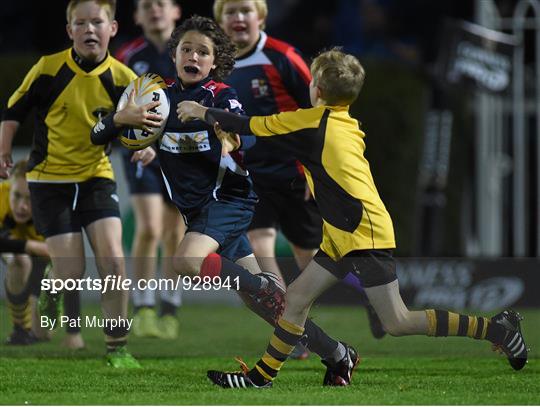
(25, 253)
(71, 181)
(358, 234)
(213, 191)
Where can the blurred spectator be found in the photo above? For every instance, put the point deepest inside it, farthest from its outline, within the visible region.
(366, 28)
(407, 32)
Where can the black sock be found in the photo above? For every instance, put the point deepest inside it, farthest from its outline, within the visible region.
(167, 308)
(137, 308)
(112, 345)
(19, 309)
(318, 341)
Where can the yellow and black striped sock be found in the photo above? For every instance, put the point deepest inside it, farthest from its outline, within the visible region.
(19, 309)
(286, 336)
(446, 323)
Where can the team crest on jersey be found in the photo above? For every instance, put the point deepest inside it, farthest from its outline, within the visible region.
(141, 67)
(183, 143)
(259, 88)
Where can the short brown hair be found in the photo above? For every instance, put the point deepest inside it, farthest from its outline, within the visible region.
(108, 5)
(338, 75)
(260, 5)
(224, 49)
(19, 170)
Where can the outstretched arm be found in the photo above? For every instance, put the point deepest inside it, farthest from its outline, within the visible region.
(232, 122)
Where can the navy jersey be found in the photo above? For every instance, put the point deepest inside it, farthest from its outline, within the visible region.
(190, 153)
(272, 78)
(143, 57)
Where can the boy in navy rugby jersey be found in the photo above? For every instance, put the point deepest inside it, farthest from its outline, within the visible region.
(213, 191)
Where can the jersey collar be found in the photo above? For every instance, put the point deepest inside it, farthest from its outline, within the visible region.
(98, 70)
(194, 85)
(258, 47)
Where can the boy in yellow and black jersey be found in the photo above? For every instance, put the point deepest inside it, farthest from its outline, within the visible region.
(24, 253)
(70, 95)
(71, 180)
(357, 230)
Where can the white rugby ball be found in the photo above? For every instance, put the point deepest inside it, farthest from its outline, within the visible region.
(148, 88)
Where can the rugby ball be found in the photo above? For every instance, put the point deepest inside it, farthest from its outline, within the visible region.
(148, 88)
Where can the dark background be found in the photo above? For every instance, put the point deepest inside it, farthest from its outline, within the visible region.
(310, 25)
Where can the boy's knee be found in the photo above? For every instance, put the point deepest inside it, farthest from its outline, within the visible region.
(148, 234)
(187, 266)
(20, 263)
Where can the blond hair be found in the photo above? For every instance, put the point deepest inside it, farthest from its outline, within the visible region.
(338, 75)
(19, 170)
(260, 5)
(108, 5)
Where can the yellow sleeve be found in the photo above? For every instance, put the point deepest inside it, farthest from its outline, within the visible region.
(123, 74)
(286, 122)
(34, 73)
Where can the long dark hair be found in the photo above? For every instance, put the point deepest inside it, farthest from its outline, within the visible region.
(224, 49)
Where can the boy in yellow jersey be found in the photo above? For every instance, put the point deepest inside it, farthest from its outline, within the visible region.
(71, 180)
(25, 254)
(357, 230)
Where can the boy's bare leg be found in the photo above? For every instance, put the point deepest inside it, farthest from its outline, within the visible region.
(503, 330)
(105, 236)
(393, 313)
(148, 211)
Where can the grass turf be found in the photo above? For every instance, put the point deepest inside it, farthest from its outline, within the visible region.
(407, 371)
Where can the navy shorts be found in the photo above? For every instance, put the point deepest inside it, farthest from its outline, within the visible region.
(226, 222)
(59, 208)
(144, 180)
(284, 207)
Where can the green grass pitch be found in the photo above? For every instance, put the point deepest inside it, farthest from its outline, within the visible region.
(407, 371)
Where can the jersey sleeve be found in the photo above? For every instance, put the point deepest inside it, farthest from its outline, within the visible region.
(8, 245)
(285, 122)
(26, 95)
(228, 99)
